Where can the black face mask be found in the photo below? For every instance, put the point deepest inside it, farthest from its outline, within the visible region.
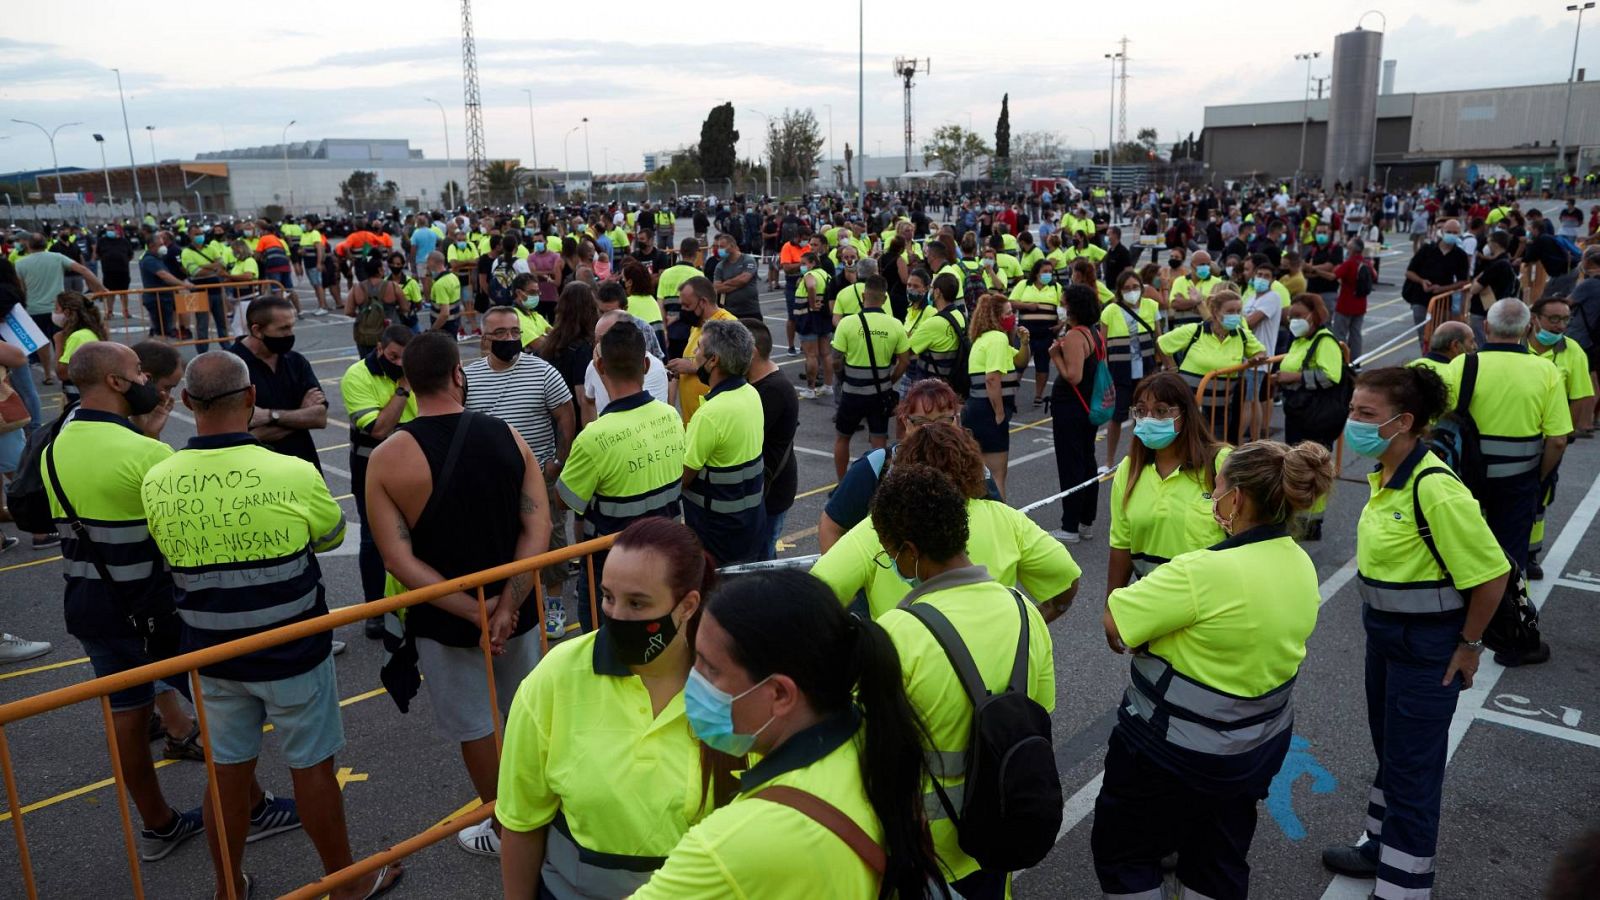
(506, 351)
(638, 641)
(278, 346)
(688, 318)
(391, 370)
(142, 398)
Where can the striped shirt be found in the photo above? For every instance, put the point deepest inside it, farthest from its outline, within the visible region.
(523, 396)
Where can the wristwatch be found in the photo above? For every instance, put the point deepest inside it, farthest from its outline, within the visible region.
(401, 392)
(274, 416)
(1476, 646)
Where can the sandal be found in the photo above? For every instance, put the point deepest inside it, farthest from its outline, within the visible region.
(380, 887)
(188, 748)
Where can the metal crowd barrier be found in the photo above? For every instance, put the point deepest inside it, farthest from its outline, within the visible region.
(1222, 397)
(186, 301)
(101, 688)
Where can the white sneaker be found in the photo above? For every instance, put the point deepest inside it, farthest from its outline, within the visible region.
(15, 649)
(480, 839)
(1086, 533)
(825, 391)
(805, 393)
(1065, 537)
(1102, 470)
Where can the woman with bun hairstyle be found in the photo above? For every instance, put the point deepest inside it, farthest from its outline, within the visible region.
(1206, 722)
(1425, 603)
(782, 671)
(601, 774)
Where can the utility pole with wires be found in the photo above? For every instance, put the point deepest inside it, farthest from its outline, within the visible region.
(476, 154)
(1122, 104)
(908, 69)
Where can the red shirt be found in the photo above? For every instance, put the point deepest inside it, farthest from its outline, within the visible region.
(1348, 303)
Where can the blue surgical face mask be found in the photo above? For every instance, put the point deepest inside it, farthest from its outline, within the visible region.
(913, 582)
(1260, 285)
(1155, 433)
(722, 252)
(1203, 270)
(1363, 437)
(1231, 321)
(1450, 238)
(1322, 239)
(1549, 338)
(710, 713)
(1046, 277)
(538, 246)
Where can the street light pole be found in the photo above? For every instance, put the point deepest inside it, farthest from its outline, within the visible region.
(133, 167)
(533, 142)
(1305, 117)
(861, 103)
(1111, 138)
(51, 137)
(155, 164)
(566, 161)
(287, 180)
(1561, 156)
(588, 161)
(100, 141)
(449, 183)
(769, 148)
(830, 142)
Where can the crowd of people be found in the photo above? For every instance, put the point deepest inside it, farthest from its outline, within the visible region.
(626, 386)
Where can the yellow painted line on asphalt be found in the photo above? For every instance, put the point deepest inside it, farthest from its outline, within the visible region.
(56, 665)
(106, 782)
(471, 805)
(31, 562)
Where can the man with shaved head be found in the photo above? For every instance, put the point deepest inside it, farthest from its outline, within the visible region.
(1450, 340)
(241, 526)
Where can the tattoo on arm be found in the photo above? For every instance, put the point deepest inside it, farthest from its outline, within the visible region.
(404, 532)
(528, 504)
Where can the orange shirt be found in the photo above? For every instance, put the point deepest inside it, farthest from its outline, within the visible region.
(791, 253)
(360, 239)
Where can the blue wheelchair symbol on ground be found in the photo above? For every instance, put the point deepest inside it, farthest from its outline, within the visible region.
(1280, 796)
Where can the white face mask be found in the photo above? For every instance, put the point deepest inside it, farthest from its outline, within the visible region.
(1299, 327)
(1131, 296)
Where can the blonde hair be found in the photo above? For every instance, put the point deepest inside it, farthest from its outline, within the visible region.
(1215, 299)
(81, 312)
(986, 314)
(1279, 479)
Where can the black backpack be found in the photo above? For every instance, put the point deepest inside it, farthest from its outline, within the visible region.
(1011, 805)
(1514, 630)
(1364, 279)
(25, 495)
(973, 283)
(960, 379)
(1454, 438)
(1321, 413)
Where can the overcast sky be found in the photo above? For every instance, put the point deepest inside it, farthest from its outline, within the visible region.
(646, 75)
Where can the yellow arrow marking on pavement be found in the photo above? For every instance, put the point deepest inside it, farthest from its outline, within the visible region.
(345, 775)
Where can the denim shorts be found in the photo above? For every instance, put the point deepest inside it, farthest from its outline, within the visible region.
(303, 710)
(110, 655)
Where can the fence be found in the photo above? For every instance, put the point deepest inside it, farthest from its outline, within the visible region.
(190, 663)
(1261, 430)
(186, 301)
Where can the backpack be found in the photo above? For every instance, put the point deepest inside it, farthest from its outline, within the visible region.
(973, 284)
(1454, 438)
(1181, 355)
(1364, 280)
(960, 379)
(1321, 413)
(371, 318)
(1104, 391)
(26, 496)
(1011, 802)
(1514, 630)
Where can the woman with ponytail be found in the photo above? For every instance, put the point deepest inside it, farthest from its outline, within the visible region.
(920, 516)
(79, 320)
(782, 671)
(600, 774)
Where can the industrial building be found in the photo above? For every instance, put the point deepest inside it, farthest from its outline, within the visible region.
(1419, 138)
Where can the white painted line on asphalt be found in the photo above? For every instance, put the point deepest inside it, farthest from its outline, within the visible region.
(1079, 805)
(1470, 705)
(800, 449)
(1589, 586)
(1536, 726)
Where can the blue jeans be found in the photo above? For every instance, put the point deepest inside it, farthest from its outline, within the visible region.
(22, 383)
(219, 312)
(774, 529)
(162, 313)
(1409, 709)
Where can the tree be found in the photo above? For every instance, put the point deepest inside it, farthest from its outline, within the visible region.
(793, 143)
(502, 181)
(685, 167)
(849, 169)
(1001, 170)
(718, 143)
(1188, 148)
(1146, 139)
(954, 147)
(1040, 152)
(451, 192)
(361, 192)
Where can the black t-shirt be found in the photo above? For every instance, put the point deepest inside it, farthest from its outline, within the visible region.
(1547, 250)
(283, 388)
(1435, 266)
(1117, 259)
(780, 413)
(1329, 254)
(1499, 277)
(652, 259)
(115, 251)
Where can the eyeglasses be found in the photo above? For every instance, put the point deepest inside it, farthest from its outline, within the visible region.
(883, 559)
(1159, 412)
(1557, 320)
(503, 334)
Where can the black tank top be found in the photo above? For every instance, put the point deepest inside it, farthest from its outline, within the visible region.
(474, 523)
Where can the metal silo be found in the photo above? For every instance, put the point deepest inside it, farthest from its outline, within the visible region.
(1353, 106)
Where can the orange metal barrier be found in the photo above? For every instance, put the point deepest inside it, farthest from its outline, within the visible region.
(190, 663)
(1211, 396)
(186, 301)
(1439, 313)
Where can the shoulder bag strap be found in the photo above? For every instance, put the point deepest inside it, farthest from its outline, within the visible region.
(872, 357)
(1423, 530)
(1019, 667)
(447, 472)
(1469, 380)
(830, 817)
(769, 475)
(79, 530)
(955, 650)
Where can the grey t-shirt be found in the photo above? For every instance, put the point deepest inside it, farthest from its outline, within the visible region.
(744, 302)
(44, 274)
